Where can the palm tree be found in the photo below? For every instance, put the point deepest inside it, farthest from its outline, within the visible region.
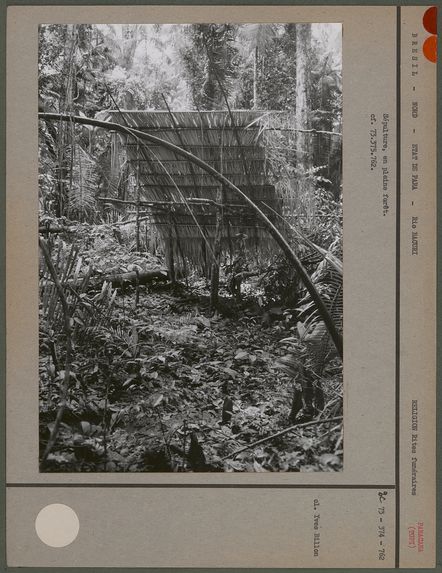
(302, 113)
(209, 60)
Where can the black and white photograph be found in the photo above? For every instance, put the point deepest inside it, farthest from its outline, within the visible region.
(190, 247)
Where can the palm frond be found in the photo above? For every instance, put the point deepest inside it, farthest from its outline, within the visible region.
(82, 192)
(87, 311)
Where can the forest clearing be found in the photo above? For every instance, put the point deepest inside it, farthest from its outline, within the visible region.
(191, 257)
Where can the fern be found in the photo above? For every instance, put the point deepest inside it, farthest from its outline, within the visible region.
(313, 331)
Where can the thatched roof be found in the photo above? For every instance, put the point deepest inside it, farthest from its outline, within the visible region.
(232, 144)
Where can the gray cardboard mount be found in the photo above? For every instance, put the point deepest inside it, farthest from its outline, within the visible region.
(180, 9)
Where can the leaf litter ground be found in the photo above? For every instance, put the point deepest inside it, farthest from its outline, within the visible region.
(162, 372)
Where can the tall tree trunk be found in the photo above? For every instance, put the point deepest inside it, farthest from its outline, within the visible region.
(66, 131)
(302, 113)
(303, 46)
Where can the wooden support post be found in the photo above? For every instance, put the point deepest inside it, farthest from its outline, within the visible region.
(183, 258)
(214, 280)
(217, 244)
(137, 191)
(115, 164)
(170, 257)
(137, 288)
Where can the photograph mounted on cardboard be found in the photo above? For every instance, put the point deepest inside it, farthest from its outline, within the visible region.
(190, 240)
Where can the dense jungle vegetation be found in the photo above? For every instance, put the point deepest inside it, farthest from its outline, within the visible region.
(176, 335)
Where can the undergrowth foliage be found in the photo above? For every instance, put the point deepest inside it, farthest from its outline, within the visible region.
(149, 379)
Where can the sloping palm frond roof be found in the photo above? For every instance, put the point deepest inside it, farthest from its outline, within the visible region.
(233, 144)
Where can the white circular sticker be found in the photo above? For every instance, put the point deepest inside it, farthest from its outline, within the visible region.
(57, 525)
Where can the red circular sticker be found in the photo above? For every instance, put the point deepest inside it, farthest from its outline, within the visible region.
(430, 20)
(430, 48)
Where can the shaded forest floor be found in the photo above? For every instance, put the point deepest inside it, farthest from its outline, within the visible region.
(148, 391)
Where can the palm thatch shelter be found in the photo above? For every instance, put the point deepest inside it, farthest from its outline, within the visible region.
(189, 208)
(196, 218)
(178, 185)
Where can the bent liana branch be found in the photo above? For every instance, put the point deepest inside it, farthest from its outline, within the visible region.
(272, 229)
(281, 433)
